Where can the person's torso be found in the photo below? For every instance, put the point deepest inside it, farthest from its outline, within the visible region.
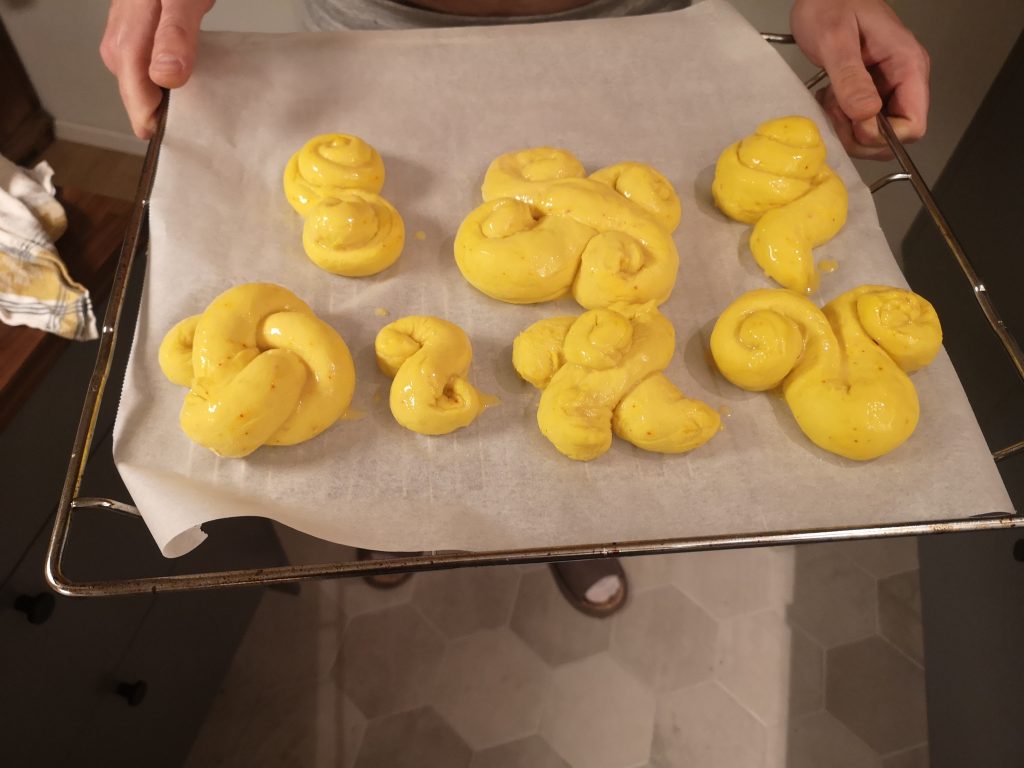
(404, 14)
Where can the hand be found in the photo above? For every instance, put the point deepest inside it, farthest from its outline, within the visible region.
(149, 45)
(871, 60)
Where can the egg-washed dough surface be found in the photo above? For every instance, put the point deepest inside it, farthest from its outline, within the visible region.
(498, 484)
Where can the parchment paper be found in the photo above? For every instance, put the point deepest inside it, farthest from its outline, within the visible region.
(671, 90)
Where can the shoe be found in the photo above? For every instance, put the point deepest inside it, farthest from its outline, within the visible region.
(383, 580)
(597, 587)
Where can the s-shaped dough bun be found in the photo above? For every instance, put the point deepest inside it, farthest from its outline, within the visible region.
(777, 180)
(843, 370)
(261, 369)
(428, 359)
(333, 182)
(544, 230)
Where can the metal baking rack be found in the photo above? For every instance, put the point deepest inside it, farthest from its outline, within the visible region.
(136, 242)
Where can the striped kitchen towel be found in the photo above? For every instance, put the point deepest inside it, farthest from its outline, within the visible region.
(35, 288)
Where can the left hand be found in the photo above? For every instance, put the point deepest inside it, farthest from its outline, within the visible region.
(872, 61)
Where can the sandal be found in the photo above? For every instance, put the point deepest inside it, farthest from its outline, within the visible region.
(382, 580)
(597, 588)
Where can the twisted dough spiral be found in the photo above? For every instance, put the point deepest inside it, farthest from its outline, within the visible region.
(261, 369)
(428, 358)
(328, 164)
(333, 182)
(601, 373)
(543, 230)
(842, 369)
(354, 233)
(777, 180)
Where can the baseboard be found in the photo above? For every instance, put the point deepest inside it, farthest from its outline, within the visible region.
(100, 137)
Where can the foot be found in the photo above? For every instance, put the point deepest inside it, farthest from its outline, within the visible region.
(595, 587)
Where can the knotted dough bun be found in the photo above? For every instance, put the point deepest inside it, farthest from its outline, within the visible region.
(261, 369)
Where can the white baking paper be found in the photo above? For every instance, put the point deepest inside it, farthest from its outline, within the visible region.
(671, 90)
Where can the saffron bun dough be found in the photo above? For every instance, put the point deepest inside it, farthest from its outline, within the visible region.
(261, 369)
(428, 360)
(354, 233)
(777, 180)
(544, 230)
(328, 163)
(602, 374)
(526, 173)
(842, 369)
(334, 182)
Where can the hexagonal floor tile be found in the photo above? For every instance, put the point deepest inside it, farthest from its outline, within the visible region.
(461, 601)
(704, 727)
(388, 660)
(598, 715)
(413, 739)
(833, 600)
(899, 613)
(883, 557)
(546, 621)
(357, 597)
(531, 752)
(776, 671)
(665, 639)
(490, 687)
(649, 571)
(818, 740)
(878, 693)
(735, 581)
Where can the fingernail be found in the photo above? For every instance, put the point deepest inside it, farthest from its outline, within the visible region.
(167, 63)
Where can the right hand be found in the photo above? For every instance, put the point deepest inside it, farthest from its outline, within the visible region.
(149, 45)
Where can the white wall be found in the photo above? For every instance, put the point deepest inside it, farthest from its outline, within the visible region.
(968, 41)
(58, 41)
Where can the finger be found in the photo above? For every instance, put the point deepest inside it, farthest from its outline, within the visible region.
(908, 105)
(841, 56)
(845, 130)
(174, 46)
(125, 49)
(141, 99)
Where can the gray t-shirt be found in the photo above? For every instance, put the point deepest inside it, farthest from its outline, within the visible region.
(391, 14)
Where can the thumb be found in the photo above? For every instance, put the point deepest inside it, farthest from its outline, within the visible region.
(854, 89)
(175, 42)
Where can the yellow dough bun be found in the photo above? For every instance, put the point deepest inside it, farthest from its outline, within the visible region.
(646, 187)
(327, 164)
(842, 369)
(509, 251)
(605, 240)
(526, 173)
(261, 369)
(777, 180)
(428, 359)
(355, 234)
(601, 374)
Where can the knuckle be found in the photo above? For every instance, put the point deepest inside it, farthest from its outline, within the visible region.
(109, 54)
(172, 26)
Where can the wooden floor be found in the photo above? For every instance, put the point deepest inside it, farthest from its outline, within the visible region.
(93, 169)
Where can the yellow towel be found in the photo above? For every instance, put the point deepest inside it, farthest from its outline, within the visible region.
(35, 288)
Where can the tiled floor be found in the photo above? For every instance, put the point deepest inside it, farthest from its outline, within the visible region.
(799, 657)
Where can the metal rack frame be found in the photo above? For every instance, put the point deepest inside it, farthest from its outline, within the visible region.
(137, 240)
